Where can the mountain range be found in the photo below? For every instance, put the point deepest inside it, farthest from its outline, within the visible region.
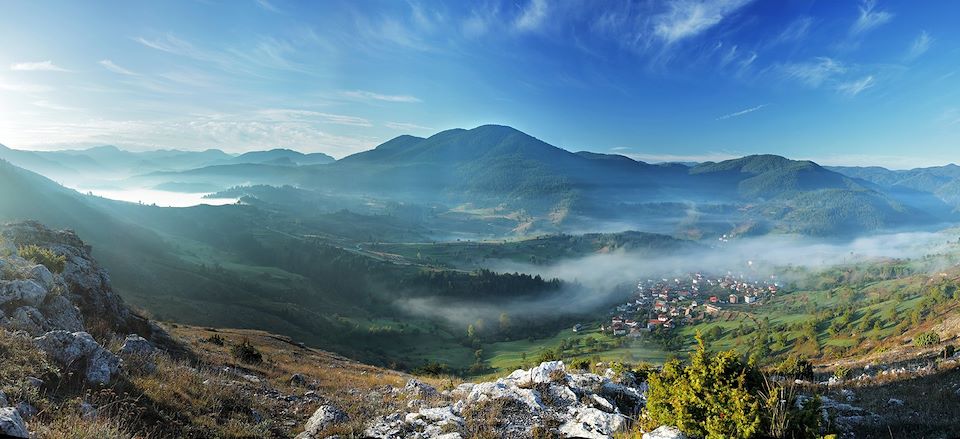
(105, 165)
(544, 188)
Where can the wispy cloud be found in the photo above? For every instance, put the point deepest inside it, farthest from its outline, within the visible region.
(688, 18)
(795, 31)
(532, 16)
(291, 115)
(813, 73)
(855, 87)
(950, 117)
(404, 126)
(920, 45)
(266, 5)
(113, 67)
(38, 66)
(173, 45)
(870, 17)
(52, 106)
(24, 87)
(369, 95)
(742, 112)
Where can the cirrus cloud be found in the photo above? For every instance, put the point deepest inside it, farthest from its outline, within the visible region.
(37, 66)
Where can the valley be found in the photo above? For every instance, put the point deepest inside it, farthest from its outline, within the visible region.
(428, 265)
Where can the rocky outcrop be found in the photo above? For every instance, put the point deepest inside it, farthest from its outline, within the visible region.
(545, 398)
(35, 300)
(78, 351)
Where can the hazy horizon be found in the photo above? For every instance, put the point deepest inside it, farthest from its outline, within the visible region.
(644, 157)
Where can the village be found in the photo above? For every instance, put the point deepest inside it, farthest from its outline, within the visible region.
(667, 303)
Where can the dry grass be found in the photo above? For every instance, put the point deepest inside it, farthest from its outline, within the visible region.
(214, 397)
(357, 389)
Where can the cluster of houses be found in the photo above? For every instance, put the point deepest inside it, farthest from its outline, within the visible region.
(666, 303)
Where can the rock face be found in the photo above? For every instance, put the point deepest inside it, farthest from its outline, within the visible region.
(324, 417)
(543, 398)
(27, 291)
(11, 424)
(80, 352)
(34, 300)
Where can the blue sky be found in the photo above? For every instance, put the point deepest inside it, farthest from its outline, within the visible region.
(841, 82)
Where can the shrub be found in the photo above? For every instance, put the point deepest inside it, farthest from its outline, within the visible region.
(924, 339)
(795, 367)
(709, 397)
(46, 257)
(215, 339)
(580, 364)
(548, 355)
(433, 368)
(841, 372)
(247, 353)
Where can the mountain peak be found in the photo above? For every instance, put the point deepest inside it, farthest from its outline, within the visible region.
(752, 164)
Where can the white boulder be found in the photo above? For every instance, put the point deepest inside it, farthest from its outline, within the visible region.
(528, 398)
(79, 350)
(323, 418)
(665, 432)
(591, 423)
(548, 372)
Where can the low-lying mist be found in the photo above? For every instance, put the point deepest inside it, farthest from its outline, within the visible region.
(599, 280)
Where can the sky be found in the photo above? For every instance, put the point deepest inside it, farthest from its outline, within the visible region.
(842, 82)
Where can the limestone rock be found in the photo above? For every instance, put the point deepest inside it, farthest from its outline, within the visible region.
(418, 388)
(544, 373)
(27, 291)
(591, 423)
(324, 417)
(42, 276)
(27, 319)
(62, 314)
(139, 354)
(78, 350)
(665, 432)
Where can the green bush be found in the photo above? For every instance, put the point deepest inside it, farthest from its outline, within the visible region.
(924, 339)
(716, 395)
(247, 353)
(841, 372)
(795, 367)
(434, 368)
(43, 256)
(709, 397)
(580, 364)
